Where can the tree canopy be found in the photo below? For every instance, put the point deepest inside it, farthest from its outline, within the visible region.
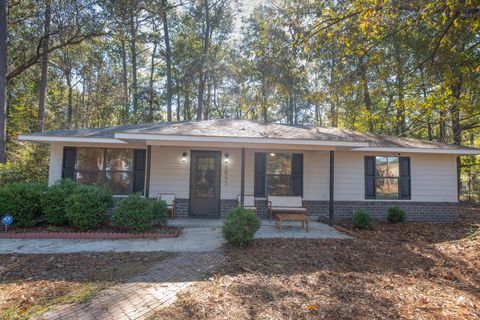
(404, 68)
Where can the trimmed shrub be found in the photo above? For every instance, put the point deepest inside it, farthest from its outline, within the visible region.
(160, 212)
(396, 214)
(240, 226)
(362, 219)
(54, 202)
(22, 200)
(86, 206)
(134, 214)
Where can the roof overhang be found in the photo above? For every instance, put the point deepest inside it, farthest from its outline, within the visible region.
(51, 139)
(419, 150)
(235, 141)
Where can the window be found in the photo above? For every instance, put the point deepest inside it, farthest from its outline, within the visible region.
(278, 175)
(114, 167)
(387, 177)
(89, 165)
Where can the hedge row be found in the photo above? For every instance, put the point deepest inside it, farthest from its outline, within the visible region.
(78, 205)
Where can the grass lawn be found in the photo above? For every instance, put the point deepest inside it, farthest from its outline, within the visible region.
(32, 284)
(408, 270)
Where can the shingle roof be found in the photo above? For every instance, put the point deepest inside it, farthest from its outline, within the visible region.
(254, 129)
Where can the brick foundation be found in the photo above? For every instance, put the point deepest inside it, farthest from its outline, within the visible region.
(416, 211)
(226, 205)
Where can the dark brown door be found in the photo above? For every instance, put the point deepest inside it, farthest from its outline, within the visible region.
(205, 183)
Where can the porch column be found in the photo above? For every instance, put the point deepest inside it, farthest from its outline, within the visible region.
(242, 179)
(147, 172)
(331, 198)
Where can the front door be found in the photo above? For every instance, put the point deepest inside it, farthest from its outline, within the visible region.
(205, 183)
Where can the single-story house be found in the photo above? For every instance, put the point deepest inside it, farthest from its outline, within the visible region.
(209, 165)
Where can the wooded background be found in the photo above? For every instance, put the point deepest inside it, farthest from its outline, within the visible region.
(404, 68)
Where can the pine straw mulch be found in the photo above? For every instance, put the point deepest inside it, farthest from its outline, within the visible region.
(31, 283)
(408, 271)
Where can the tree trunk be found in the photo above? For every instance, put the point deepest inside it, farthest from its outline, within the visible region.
(168, 61)
(133, 50)
(400, 126)
(125, 83)
(3, 79)
(202, 77)
(366, 95)
(150, 85)
(68, 76)
(44, 72)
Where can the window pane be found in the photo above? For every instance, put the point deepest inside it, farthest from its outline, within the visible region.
(382, 166)
(119, 159)
(89, 159)
(89, 177)
(393, 167)
(279, 185)
(387, 188)
(205, 178)
(279, 163)
(119, 182)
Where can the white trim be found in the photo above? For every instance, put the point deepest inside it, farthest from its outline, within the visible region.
(157, 137)
(26, 137)
(419, 150)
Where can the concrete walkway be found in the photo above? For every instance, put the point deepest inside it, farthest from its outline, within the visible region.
(197, 235)
(143, 294)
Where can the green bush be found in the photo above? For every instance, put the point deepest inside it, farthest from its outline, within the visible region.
(134, 214)
(22, 200)
(54, 202)
(240, 226)
(362, 219)
(396, 214)
(86, 206)
(160, 212)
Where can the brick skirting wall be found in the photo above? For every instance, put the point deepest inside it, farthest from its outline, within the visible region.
(182, 208)
(226, 205)
(416, 211)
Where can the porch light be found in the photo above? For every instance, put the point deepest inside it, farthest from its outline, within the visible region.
(272, 154)
(184, 157)
(227, 158)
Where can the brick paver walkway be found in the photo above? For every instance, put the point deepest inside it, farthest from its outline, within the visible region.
(145, 293)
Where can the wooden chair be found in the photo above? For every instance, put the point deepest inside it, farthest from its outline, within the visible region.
(248, 202)
(169, 199)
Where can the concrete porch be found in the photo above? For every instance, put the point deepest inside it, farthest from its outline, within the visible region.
(291, 229)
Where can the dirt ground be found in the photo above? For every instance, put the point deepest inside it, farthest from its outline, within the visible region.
(402, 271)
(30, 284)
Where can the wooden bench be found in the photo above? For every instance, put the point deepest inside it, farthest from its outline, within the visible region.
(280, 217)
(287, 208)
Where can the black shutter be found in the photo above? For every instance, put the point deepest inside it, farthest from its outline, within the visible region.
(404, 181)
(68, 164)
(370, 177)
(297, 174)
(139, 170)
(260, 167)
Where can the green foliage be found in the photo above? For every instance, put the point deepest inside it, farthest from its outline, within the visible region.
(19, 172)
(86, 206)
(362, 219)
(160, 212)
(240, 226)
(54, 202)
(22, 200)
(134, 214)
(396, 214)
